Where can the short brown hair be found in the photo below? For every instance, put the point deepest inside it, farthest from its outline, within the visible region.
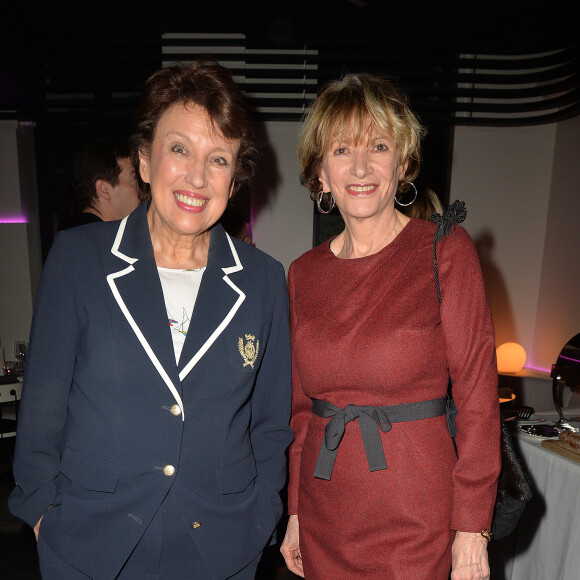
(357, 101)
(206, 84)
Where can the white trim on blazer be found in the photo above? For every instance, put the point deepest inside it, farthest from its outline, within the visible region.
(146, 346)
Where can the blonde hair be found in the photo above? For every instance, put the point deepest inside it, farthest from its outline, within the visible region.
(426, 203)
(357, 103)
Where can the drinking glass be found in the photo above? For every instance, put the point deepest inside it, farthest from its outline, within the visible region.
(20, 352)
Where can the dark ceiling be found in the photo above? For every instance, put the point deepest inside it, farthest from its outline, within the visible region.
(473, 24)
(85, 45)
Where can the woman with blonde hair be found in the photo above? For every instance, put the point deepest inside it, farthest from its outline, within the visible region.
(377, 488)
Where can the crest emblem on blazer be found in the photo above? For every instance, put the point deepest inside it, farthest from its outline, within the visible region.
(249, 351)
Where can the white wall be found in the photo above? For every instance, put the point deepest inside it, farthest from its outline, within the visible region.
(16, 291)
(282, 209)
(20, 254)
(519, 185)
(558, 316)
(10, 205)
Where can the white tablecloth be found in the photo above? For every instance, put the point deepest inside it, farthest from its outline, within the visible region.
(546, 544)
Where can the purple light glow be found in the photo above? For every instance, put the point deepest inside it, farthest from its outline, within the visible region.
(538, 369)
(13, 220)
(569, 358)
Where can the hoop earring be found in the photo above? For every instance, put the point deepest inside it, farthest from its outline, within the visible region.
(319, 200)
(412, 201)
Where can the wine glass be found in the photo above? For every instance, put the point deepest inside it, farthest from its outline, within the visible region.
(20, 352)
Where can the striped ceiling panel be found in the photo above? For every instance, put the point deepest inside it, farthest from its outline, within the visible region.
(100, 80)
(278, 83)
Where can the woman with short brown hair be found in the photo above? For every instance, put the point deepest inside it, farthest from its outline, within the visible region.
(156, 401)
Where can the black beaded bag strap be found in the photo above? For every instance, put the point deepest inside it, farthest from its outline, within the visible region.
(453, 215)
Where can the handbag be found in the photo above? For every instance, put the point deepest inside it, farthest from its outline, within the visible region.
(514, 486)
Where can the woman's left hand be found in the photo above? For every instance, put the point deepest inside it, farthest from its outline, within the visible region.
(469, 557)
(290, 547)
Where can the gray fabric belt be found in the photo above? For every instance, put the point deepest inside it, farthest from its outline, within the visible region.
(369, 418)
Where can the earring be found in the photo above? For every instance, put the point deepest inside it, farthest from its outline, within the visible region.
(412, 201)
(319, 200)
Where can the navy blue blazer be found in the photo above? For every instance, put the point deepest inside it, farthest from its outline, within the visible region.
(109, 422)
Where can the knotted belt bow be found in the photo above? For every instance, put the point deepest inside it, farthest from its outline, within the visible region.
(369, 418)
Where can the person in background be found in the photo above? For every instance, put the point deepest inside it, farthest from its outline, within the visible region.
(103, 185)
(377, 487)
(155, 410)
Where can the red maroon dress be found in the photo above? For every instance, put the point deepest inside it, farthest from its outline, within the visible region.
(370, 331)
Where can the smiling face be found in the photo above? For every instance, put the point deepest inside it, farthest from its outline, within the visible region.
(190, 169)
(363, 176)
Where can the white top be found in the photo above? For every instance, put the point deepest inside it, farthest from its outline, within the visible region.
(180, 289)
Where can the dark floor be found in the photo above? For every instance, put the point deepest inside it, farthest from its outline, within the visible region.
(18, 560)
(17, 545)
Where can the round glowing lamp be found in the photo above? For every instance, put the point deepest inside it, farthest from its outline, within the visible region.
(511, 357)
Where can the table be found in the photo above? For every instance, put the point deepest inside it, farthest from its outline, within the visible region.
(546, 543)
(8, 392)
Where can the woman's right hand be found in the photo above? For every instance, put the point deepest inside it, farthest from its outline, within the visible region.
(290, 547)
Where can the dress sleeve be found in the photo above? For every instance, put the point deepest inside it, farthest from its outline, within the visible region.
(54, 336)
(301, 410)
(469, 338)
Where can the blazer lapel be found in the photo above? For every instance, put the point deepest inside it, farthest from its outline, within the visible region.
(137, 290)
(218, 300)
